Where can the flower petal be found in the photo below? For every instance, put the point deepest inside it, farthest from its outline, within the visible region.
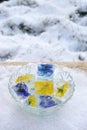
(62, 89)
(47, 101)
(44, 87)
(24, 78)
(32, 101)
(21, 90)
(45, 70)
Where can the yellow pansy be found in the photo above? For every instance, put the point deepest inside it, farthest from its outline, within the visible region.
(62, 89)
(32, 101)
(44, 87)
(24, 78)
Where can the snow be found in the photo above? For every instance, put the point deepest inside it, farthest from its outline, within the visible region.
(43, 30)
(73, 115)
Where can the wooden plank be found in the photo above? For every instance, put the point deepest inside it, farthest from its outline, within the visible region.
(78, 65)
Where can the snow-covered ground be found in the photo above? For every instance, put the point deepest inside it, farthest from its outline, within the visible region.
(73, 116)
(43, 30)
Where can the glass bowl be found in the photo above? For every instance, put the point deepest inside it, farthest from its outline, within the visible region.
(41, 88)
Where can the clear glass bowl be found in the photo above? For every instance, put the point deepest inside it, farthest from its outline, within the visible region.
(41, 88)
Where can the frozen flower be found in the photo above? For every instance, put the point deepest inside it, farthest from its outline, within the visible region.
(62, 89)
(21, 90)
(44, 87)
(32, 101)
(24, 78)
(45, 70)
(47, 101)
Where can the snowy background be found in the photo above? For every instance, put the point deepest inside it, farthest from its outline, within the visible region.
(73, 115)
(43, 30)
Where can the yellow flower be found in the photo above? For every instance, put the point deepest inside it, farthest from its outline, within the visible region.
(32, 101)
(62, 89)
(24, 78)
(44, 87)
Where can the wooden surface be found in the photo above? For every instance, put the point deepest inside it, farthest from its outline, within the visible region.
(78, 65)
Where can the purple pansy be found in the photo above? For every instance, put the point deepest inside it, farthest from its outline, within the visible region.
(47, 101)
(45, 70)
(21, 90)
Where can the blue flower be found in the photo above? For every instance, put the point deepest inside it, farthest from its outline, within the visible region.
(21, 90)
(47, 101)
(45, 70)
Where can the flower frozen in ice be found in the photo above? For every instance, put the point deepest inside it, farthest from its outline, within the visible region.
(32, 101)
(45, 70)
(62, 89)
(47, 101)
(24, 78)
(44, 87)
(21, 90)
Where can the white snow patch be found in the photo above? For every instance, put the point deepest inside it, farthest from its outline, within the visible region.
(44, 30)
